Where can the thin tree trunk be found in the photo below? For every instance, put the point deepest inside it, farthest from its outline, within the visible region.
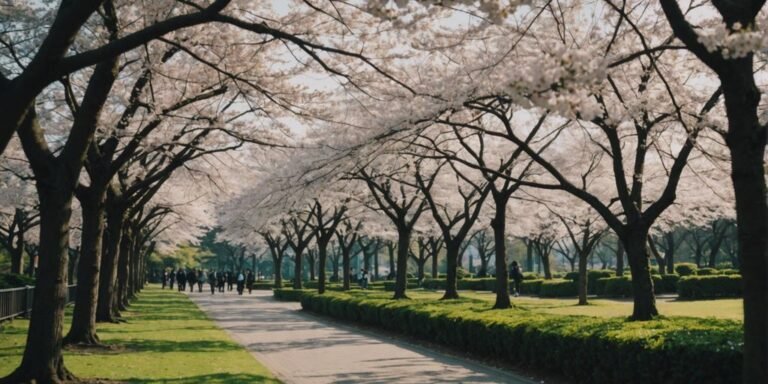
(583, 280)
(345, 262)
(403, 243)
(277, 265)
(502, 279)
(83, 328)
(322, 255)
(620, 258)
(451, 285)
(298, 273)
(108, 273)
(642, 283)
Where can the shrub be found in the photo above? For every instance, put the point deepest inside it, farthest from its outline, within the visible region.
(722, 266)
(288, 294)
(558, 288)
(730, 272)
(667, 283)
(707, 287)
(530, 287)
(686, 269)
(615, 286)
(13, 280)
(531, 276)
(592, 277)
(707, 272)
(390, 285)
(584, 349)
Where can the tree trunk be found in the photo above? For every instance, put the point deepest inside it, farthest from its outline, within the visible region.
(322, 255)
(122, 271)
(451, 257)
(298, 273)
(420, 268)
(528, 256)
(311, 264)
(583, 280)
(544, 257)
(108, 274)
(345, 264)
(434, 263)
(17, 251)
(669, 257)
(42, 361)
(502, 279)
(83, 329)
(277, 266)
(746, 141)
(391, 252)
(642, 283)
(403, 243)
(620, 258)
(376, 263)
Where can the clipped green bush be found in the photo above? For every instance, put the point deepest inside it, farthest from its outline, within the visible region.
(530, 287)
(531, 276)
(289, 294)
(584, 349)
(685, 269)
(390, 285)
(592, 277)
(707, 271)
(708, 287)
(666, 284)
(558, 288)
(730, 272)
(615, 286)
(13, 280)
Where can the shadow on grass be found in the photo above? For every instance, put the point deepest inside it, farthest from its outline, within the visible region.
(217, 378)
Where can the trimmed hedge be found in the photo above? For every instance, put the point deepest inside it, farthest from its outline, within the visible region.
(389, 286)
(558, 288)
(530, 287)
(592, 277)
(622, 286)
(707, 271)
(686, 269)
(708, 287)
(668, 283)
(584, 349)
(289, 294)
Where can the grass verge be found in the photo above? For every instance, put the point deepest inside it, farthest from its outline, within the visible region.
(165, 339)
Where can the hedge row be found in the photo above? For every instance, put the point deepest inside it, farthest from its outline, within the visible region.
(622, 286)
(707, 287)
(585, 349)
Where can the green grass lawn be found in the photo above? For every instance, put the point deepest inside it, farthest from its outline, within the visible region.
(166, 339)
(731, 309)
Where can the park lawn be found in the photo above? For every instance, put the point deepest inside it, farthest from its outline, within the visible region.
(731, 309)
(166, 339)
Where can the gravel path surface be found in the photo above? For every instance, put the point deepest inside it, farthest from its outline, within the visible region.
(302, 348)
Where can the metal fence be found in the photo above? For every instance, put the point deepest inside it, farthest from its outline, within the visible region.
(16, 302)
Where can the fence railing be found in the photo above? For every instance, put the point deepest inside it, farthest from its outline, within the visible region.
(16, 302)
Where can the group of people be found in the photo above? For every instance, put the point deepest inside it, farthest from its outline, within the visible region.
(217, 280)
(362, 277)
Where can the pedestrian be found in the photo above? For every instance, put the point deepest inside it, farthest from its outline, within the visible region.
(212, 281)
(364, 278)
(240, 283)
(220, 276)
(200, 280)
(165, 278)
(191, 279)
(250, 278)
(181, 275)
(517, 277)
(230, 280)
(171, 279)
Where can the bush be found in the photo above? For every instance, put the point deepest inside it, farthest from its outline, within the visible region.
(666, 284)
(685, 269)
(558, 288)
(531, 276)
(390, 285)
(615, 286)
(12, 280)
(707, 272)
(592, 277)
(584, 349)
(530, 287)
(288, 294)
(707, 287)
(726, 265)
(730, 272)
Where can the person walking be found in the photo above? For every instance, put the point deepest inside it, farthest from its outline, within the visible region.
(230, 280)
(181, 275)
(212, 281)
(191, 279)
(240, 283)
(220, 279)
(171, 279)
(364, 278)
(517, 277)
(250, 278)
(200, 280)
(165, 278)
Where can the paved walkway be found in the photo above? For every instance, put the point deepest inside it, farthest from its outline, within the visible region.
(302, 348)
